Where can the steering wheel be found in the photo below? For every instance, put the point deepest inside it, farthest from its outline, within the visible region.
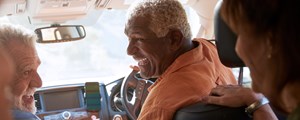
(135, 86)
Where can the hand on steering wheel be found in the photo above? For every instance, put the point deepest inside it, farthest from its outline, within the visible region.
(139, 87)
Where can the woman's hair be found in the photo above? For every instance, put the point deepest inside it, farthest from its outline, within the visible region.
(277, 22)
(164, 15)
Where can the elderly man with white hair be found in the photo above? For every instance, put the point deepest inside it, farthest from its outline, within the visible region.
(6, 73)
(160, 41)
(18, 43)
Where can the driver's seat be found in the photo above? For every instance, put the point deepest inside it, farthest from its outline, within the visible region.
(225, 42)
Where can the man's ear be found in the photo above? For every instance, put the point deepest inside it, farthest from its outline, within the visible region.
(176, 38)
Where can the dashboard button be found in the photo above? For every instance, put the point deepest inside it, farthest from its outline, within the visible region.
(117, 117)
(66, 115)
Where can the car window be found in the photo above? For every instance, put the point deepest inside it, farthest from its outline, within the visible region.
(246, 76)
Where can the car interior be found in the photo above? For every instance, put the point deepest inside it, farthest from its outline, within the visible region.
(69, 26)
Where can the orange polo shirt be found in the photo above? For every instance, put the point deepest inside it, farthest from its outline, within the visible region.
(187, 80)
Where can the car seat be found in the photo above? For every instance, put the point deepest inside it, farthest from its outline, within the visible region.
(225, 43)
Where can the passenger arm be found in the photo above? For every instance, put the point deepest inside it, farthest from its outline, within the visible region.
(237, 96)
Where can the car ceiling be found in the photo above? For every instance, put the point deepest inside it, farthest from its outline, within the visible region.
(39, 13)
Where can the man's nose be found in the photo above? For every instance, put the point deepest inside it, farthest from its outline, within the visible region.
(36, 81)
(131, 48)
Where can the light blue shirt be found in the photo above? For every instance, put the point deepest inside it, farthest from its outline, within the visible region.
(22, 115)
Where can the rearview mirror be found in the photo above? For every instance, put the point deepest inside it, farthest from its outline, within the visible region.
(60, 33)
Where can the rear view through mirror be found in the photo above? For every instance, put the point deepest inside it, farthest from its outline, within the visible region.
(60, 33)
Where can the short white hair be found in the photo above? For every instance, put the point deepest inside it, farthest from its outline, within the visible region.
(164, 15)
(9, 32)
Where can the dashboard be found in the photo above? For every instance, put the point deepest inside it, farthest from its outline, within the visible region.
(53, 99)
(62, 102)
(74, 102)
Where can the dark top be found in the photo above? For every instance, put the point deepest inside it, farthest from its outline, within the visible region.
(295, 115)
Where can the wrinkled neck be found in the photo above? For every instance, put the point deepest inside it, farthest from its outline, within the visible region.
(187, 46)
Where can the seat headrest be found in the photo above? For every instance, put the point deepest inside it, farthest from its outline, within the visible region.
(225, 41)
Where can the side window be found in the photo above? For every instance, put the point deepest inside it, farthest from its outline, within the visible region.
(246, 76)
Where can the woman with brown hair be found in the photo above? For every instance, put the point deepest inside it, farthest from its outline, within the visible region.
(268, 43)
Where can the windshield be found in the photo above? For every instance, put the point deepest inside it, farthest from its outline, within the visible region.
(101, 56)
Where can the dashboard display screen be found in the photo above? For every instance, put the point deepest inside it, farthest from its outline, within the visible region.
(61, 100)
